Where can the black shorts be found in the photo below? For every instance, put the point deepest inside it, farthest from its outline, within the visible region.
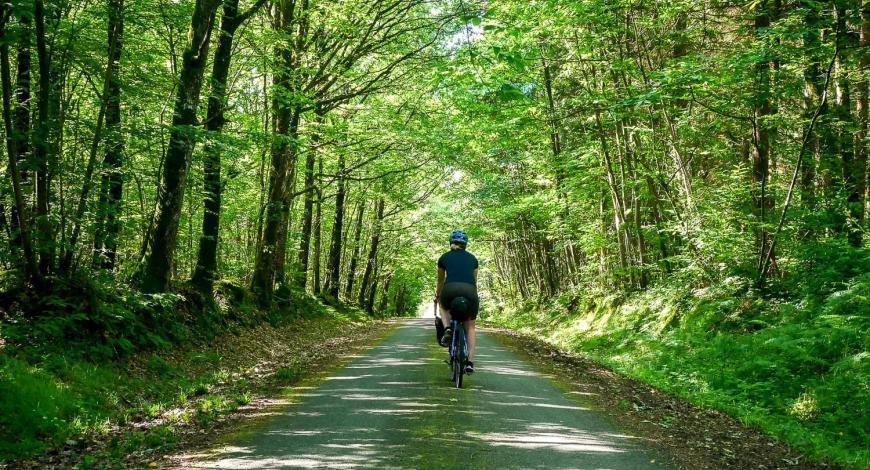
(453, 290)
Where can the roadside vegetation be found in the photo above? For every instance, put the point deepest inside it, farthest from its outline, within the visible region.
(795, 367)
(94, 402)
(676, 188)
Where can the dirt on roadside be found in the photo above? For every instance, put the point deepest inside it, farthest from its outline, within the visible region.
(305, 347)
(694, 437)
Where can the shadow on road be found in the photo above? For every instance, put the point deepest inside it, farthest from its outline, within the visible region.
(395, 407)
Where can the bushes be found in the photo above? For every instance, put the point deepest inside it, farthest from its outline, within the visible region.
(97, 318)
(799, 368)
(68, 366)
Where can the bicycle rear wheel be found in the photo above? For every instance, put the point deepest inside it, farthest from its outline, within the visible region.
(454, 370)
(459, 371)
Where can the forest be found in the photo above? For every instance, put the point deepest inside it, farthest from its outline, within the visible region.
(676, 189)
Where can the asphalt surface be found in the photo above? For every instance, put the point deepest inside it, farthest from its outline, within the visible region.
(395, 407)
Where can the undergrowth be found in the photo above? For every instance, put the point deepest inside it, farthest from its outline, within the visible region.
(88, 355)
(797, 366)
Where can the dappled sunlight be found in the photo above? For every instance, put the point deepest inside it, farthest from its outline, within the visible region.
(351, 446)
(399, 347)
(404, 410)
(556, 437)
(346, 390)
(349, 377)
(360, 396)
(388, 362)
(420, 404)
(396, 411)
(310, 432)
(506, 394)
(302, 461)
(474, 412)
(503, 370)
(585, 394)
(265, 414)
(540, 405)
(316, 432)
(570, 440)
(237, 450)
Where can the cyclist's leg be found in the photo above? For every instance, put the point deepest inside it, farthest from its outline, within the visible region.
(470, 330)
(472, 337)
(448, 327)
(447, 295)
(445, 316)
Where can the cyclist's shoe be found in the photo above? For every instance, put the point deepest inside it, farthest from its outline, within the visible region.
(447, 337)
(469, 367)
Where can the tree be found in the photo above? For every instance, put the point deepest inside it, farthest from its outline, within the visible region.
(333, 263)
(108, 225)
(158, 267)
(338, 43)
(205, 272)
(13, 140)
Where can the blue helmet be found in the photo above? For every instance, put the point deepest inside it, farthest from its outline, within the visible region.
(458, 236)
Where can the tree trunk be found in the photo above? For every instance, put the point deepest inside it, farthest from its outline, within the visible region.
(21, 124)
(205, 272)
(272, 249)
(354, 258)
(385, 290)
(373, 290)
(812, 97)
(276, 205)
(42, 219)
(853, 172)
(20, 208)
(69, 248)
(287, 209)
(615, 199)
(158, 267)
(373, 252)
(308, 208)
(108, 225)
(761, 134)
(862, 112)
(318, 231)
(333, 264)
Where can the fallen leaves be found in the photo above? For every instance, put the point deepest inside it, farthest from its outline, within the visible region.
(690, 436)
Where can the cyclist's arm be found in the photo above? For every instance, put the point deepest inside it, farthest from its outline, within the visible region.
(441, 275)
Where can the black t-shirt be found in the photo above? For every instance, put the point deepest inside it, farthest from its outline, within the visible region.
(460, 266)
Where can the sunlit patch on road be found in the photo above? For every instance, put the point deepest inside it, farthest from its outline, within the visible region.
(404, 412)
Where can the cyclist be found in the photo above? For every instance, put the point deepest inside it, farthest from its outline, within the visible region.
(456, 291)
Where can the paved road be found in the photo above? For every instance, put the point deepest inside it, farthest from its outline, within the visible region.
(395, 408)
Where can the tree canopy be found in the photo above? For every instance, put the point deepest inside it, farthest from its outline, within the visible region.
(182, 150)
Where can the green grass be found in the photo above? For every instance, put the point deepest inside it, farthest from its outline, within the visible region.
(56, 399)
(287, 374)
(799, 370)
(34, 407)
(49, 395)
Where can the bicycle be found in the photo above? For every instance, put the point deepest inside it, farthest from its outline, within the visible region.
(458, 352)
(458, 348)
